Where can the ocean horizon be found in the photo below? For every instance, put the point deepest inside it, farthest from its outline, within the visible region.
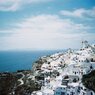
(12, 61)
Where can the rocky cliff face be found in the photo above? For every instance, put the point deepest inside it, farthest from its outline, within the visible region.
(18, 83)
(89, 80)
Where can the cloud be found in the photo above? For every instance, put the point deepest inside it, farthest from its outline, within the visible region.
(50, 23)
(81, 13)
(45, 32)
(13, 5)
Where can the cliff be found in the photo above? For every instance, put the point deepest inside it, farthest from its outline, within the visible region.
(89, 80)
(18, 83)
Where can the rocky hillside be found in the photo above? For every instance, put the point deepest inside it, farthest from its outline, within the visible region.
(89, 80)
(19, 83)
(22, 82)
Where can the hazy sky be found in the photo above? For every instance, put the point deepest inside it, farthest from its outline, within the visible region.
(46, 24)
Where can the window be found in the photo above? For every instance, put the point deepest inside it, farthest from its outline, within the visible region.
(91, 59)
(62, 93)
(60, 87)
(91, 93)
(58, 93)
(83, 93)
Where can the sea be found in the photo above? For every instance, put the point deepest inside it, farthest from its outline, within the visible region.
(12, 61)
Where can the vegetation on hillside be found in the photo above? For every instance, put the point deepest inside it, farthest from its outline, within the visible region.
(89, 80)
(9, 84)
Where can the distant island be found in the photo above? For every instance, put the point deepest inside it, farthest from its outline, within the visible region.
(63, 73)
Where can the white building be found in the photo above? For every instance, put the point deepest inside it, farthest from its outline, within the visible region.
(77, 63)
(61, 90)
(78, 69)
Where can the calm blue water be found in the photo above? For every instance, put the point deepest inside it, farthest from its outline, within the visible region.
(20, 60)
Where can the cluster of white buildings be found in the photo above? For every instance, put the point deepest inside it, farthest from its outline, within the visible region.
(71, 66)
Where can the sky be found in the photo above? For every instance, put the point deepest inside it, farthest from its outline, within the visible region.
(46, 24)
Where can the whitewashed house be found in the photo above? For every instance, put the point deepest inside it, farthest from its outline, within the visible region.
(61, 90)
(78, 69)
